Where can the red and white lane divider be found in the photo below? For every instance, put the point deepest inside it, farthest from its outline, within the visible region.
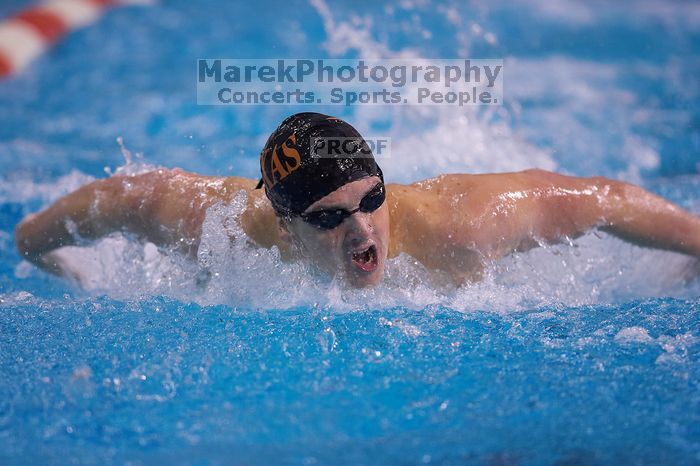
(29, 33)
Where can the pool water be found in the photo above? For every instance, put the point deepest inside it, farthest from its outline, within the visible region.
(586, 352)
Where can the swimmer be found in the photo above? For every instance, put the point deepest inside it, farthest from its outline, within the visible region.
(339, 214)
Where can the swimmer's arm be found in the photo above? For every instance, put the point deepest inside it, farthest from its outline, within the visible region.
(93, 211)
(555, 206)
(165, 207)
(160, 206)
(645, 219)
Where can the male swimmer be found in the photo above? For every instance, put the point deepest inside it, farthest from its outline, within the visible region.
(338, 213)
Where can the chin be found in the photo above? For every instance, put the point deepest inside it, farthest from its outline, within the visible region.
(364, 279)
(365, 282)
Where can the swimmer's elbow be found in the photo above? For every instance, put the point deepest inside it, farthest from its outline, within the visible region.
(24, 240)
(40, 257)
(611, 198)
(20, 241)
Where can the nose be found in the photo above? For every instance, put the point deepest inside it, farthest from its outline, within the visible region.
(360, 227)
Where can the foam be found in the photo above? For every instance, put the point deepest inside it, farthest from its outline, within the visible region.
(675, 348)
(633, 335)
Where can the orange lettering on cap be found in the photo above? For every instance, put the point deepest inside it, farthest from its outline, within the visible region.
(263, 167)
(276, 165)
(290, 152)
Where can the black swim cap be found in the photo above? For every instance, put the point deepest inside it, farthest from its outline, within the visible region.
(294, 175)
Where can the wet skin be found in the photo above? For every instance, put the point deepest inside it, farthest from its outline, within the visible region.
(452, 223)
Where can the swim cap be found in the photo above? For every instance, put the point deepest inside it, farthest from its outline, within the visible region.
(293, 173)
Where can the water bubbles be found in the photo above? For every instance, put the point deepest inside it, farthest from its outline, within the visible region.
(633, 335)
(229, 270)
(134, 163)
(327, 339)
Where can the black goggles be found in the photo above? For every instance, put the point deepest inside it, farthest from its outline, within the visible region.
(331, 218)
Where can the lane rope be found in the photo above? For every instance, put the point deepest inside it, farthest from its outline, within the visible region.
(29, 33)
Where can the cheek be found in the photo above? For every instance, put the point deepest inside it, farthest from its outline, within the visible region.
(324, 250)
(326, 241)
(381, 220)
(320, 242)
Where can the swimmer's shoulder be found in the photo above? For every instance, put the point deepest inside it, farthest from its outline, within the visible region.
(427, 212)
(258, 219)
(210, 189)
(446, 207)
(238, 183)
(173, 187)
(178, 176)
(475, 187)
(429, 191)
(430, 222)
(182, 194)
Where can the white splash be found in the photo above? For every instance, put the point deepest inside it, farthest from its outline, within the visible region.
(430, 140)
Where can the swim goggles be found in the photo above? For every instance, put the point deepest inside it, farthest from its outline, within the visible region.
(331, 218)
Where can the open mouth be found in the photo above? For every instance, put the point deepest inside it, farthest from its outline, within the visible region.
(366, 259)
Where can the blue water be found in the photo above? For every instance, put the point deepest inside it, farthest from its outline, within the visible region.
(586, 353)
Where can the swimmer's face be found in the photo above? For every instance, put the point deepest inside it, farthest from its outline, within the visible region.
(357, 247)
